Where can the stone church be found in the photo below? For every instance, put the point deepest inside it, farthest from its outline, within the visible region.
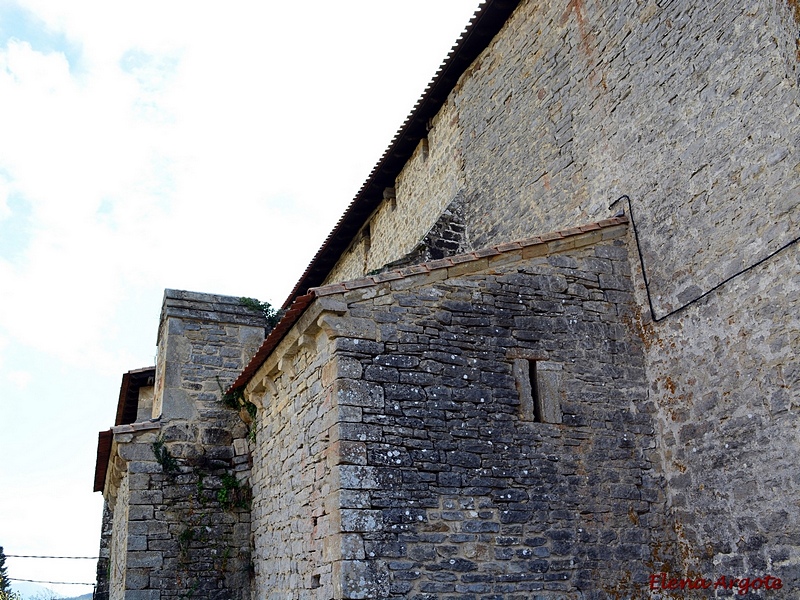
(549, 351)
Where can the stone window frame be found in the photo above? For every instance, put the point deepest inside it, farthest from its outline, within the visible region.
(538, 382)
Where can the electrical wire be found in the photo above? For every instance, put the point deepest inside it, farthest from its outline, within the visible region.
(704, 294)
(68, 557)
(50, 582)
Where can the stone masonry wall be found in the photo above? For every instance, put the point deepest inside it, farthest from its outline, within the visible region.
(436, 486)
(103, 562)
(118, 560)
(725, 376)
(181, 539)
(430, 182)
(295, 508)
(693, 111)
(186, 473)
(456, 496)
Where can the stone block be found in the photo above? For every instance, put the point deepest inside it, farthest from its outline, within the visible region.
(348, 452)
(146, 559)
(359, 393)
(354, 520)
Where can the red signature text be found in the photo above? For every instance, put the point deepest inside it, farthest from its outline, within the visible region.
(743, 585)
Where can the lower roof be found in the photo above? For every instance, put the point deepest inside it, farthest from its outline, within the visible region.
(555, 242)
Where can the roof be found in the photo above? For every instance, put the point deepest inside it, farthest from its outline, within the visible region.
(484, 25)
(551, 242)
(104, 439)
(128, 403)
(127, 407)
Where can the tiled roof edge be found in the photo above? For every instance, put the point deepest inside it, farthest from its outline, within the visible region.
(300, 304)
(275, 336)
(476, 37)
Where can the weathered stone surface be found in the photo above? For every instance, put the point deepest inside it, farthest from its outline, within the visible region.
(689, 109)
(178, 528)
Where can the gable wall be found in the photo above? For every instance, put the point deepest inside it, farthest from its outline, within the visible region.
(691, 109)
(295, 502)
(181, 518)
(399, 428)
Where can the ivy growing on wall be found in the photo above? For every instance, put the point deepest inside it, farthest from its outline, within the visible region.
(163, 457)
(235, 399)
(271, 314)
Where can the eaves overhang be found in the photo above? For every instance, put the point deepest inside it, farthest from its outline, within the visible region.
(549, 243)
(482, 28)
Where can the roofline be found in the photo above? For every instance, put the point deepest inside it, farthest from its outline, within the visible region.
(104, 439)
(481, 30)
(125, 390)
(555, 242)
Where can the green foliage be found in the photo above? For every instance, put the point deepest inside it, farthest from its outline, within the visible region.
(190, 592)
(163, 457)
(185, 538)
(235, 399)
(200, 486)
(232, 495)
(271, 314)
(5, 584)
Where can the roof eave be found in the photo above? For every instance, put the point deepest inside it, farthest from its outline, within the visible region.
(480, 31)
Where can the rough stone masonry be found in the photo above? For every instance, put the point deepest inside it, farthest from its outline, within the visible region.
(408, 441)
(394, 458)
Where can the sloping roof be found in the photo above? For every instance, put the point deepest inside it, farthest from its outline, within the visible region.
(554, 242)
(484, 25)
(127, 407)
(104, 439)
(128, 404)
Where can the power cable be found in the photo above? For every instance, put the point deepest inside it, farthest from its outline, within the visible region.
(704, 294)
(50, 582)
(68, 557)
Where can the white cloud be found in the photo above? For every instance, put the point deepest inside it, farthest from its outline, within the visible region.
(174, 144)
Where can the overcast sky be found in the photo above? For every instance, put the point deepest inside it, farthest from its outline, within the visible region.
(172, 144)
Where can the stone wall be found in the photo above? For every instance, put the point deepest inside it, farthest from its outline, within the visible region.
(294, 507)
(693, 111)
(437, 485)
(103, 562)
(118, 559)
(295, 513)
(178, 484)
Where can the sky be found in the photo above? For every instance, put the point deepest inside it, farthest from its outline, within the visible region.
(168, 144)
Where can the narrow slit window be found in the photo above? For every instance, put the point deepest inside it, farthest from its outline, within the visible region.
(536, 402)
(538, 386)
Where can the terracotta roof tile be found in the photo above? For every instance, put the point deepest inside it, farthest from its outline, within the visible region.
(531, 241)
(301, 303)
(388, 276)
(462, 258)
(491, 251)
(508, 246)
(414, 270)
(334, 288)
(484, 25)
(354, 284)
(571, 231)
(441, 263)
(549, 237)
